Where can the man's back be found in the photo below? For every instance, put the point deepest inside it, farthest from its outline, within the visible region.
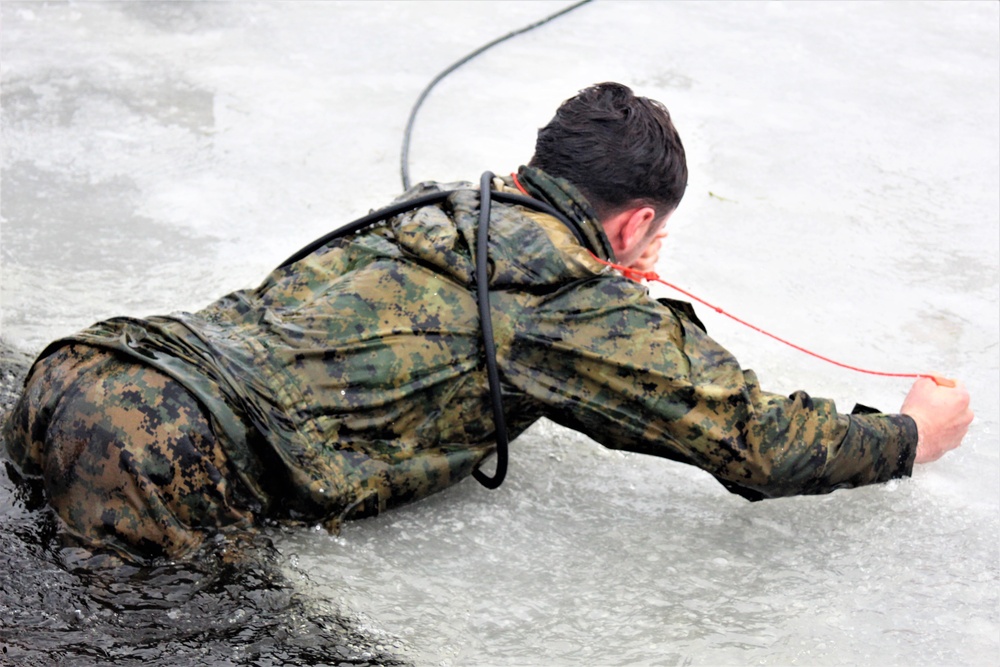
(353, 379)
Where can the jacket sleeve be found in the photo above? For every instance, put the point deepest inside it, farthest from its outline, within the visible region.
(638, 375)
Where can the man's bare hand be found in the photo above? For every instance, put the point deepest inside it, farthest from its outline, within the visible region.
(651, 255)
(942, 415)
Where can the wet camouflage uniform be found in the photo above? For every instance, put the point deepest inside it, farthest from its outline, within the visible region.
(353, 380)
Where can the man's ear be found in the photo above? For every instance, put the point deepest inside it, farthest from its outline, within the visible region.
(627, 228)
(636, 225)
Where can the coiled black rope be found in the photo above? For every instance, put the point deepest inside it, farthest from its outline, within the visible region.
(404, 159)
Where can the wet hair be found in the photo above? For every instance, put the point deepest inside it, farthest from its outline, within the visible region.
(616, 148)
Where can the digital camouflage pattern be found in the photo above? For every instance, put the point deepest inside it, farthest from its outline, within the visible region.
(353, 380)
(127, 458)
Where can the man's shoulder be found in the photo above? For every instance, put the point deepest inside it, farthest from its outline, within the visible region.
(432, 187)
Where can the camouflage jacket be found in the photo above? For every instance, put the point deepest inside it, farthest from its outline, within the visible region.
(353, 379)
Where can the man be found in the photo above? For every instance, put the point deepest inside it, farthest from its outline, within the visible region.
(354, 378)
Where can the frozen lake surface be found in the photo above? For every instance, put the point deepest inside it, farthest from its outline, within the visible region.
(844, 193)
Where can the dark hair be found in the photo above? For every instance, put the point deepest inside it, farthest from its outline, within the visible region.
(616, 148)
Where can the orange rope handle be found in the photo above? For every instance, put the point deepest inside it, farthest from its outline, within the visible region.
(636, 275)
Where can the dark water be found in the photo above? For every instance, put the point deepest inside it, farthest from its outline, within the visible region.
(62, 606)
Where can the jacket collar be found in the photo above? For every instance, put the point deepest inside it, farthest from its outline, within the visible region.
(565, 198)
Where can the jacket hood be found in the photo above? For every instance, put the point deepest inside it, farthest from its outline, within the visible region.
(527, 249)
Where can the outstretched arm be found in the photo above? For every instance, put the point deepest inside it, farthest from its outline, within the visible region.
(643, 376)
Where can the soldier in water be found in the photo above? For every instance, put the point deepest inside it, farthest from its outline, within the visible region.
(356, 377)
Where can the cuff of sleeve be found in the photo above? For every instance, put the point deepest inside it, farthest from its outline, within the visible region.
(897, 436)
(907, 454)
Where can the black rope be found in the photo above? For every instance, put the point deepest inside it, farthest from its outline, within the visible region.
(404, 160)
(425, 200)
(384, 214)
(370, 219)
(486, 324)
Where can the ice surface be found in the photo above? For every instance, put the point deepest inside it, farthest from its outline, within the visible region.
(844, 193)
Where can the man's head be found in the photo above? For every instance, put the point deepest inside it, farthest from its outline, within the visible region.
(623, 153)
(617, 148)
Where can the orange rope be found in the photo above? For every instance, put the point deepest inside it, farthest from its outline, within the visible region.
(637, 275)
(518, 184)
